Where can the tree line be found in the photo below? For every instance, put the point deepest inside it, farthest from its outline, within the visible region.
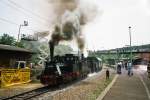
(6, 39)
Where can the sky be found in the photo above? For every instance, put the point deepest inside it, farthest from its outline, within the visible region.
(107, 30)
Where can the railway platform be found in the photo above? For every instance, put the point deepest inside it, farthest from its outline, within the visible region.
(129, 88)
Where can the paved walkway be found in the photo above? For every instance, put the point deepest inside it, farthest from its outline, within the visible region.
(127, 88)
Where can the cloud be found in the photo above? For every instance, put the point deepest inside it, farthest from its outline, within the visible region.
(146, 6)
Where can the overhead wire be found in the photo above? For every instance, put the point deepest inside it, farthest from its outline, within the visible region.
(20, 11)
(11, 22)
(19, 6)
(8, 21)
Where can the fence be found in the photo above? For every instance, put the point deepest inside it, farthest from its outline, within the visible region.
(10, 77)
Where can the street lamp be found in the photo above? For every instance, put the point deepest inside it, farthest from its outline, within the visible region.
(24, 24)
(130, 45)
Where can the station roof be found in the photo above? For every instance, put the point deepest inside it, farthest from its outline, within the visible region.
(13, 48)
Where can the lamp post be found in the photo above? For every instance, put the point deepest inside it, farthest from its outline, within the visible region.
(24, 24)
(130, 45)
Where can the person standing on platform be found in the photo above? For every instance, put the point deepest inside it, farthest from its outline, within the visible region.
(126, 65)
(107, 74)
(130, 72)
(148, 69)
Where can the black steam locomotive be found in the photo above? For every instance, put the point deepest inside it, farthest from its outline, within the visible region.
(67, 68)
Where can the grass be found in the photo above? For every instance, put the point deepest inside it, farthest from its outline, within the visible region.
(94, 95)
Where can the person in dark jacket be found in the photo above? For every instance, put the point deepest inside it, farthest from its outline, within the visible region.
(107, 74)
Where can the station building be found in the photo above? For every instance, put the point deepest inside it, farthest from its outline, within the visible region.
(10, 54)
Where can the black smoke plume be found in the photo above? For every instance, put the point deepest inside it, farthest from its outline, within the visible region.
(69, 18)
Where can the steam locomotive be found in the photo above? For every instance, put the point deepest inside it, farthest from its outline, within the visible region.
(67, 68)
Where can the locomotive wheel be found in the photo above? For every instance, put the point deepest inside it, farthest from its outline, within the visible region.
(59, 80)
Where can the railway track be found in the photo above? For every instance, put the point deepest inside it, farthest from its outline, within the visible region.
(30, 94)
(39, 91)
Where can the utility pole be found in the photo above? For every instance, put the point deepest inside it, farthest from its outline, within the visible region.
(130, 45)
(25, 24)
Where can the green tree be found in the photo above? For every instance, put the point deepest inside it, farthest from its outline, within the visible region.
(20, 44)
(10, 40)
(7, 40)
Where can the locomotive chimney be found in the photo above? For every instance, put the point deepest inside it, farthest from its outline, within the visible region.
(51, 46)
(82, 56)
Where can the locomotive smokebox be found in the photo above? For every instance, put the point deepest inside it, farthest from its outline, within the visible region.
(51, 46)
